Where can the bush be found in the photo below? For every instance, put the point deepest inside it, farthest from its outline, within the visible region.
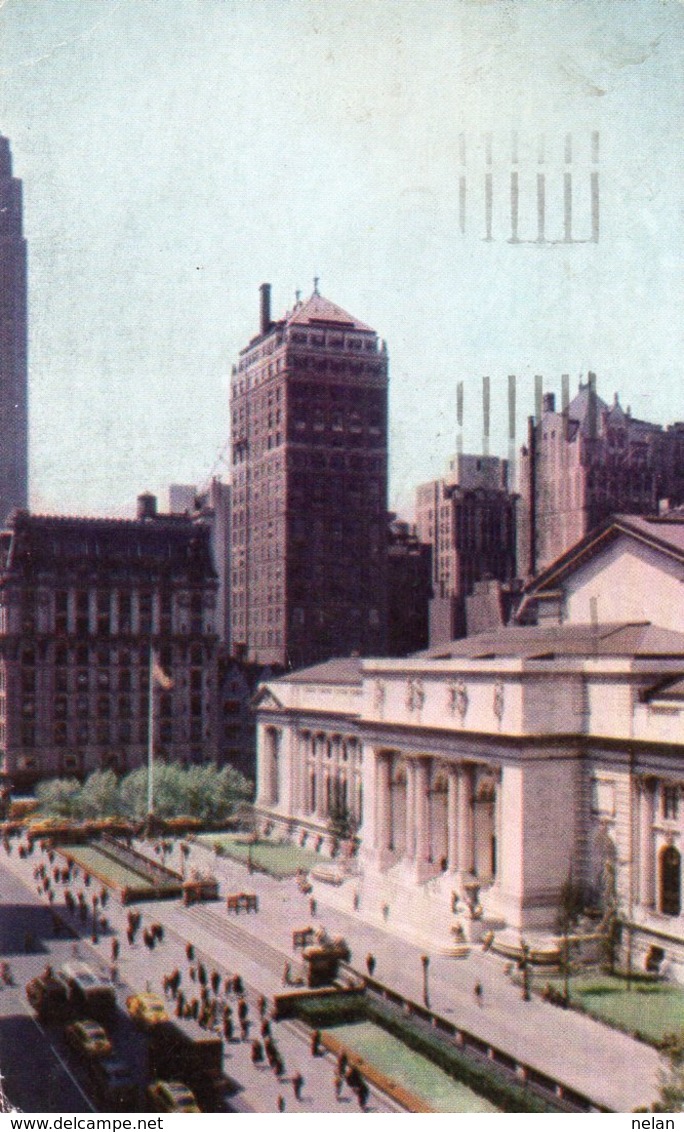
(23, 808)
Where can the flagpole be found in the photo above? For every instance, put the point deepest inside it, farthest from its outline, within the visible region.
(150, 741)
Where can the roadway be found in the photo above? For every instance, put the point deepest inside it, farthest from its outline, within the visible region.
(41, 1075)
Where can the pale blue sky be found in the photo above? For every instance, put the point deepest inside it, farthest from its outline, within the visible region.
(177, 153)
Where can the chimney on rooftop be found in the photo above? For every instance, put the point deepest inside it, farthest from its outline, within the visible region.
(265, 291)
(147, 505)
(549, 403)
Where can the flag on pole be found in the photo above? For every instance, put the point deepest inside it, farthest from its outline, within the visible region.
(160, 677)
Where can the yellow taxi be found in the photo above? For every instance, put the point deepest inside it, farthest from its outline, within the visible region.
(88, 1038)
(147, 1009)
(172, 1096)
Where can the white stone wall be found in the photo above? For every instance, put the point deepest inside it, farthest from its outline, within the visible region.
(630, 582)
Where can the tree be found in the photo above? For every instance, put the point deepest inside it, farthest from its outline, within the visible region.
(99, 795)
(341, 823)
(203, 791)
(570, 907)
(59, 797)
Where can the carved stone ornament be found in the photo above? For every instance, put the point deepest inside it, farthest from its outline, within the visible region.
(458, 699)
(499, 700)
(415, 695)
(379, 693)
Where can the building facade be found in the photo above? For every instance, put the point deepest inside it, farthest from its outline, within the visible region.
(309, 488)
(469, 520)
(83, 602)
(484, 775)
(213, 505)
(409, 589)
(585, 463)
(13, 342)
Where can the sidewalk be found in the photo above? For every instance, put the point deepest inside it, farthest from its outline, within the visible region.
(610, 1067)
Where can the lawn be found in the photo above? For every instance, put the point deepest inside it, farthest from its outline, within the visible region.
(279, 858)
(653, 1009)
(99, 864)
(409, 1069)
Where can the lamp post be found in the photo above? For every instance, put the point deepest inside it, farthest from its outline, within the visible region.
(525, 968)
(425, 960)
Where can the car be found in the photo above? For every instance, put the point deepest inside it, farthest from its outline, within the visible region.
(88, 1038)
(115, 1085)
(147, 1009)
(172, 1096)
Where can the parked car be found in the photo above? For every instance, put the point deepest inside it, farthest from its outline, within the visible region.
(88, 1038)
(172, 1096)
(147, 1010)
(115, 1086)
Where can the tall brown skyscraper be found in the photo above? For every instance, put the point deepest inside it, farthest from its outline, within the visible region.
(309, 438)
(13, 344)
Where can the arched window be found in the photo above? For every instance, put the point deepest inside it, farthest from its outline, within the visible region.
(670, 881)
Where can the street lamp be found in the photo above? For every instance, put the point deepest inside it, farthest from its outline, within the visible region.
(525, 968)
(425, 960)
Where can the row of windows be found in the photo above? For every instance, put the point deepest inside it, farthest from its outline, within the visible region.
(84, 656)
(103, 733)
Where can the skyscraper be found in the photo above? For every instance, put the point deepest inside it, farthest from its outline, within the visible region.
(13, 342)
(309, 439)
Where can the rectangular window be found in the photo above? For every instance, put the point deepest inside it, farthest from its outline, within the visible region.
(670, 803)
(124, 613)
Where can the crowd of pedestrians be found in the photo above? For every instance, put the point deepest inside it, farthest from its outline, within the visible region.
(218, 1002)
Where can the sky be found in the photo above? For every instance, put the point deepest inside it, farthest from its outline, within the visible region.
(177, 153)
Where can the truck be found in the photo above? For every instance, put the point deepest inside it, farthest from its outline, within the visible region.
(49, 997)
(181, 1051)
(74, 991)
(90, 994)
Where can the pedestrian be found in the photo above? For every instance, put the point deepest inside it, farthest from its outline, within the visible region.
(278, 1065)
(265, 1028)
(362, 1093)
(193, 974)
(228, 1027)
(228, 985)
(116, 947)
(313, 906)
(202, 974)
(263, 1005)
(281, 1103)
(370, 964)
(479, 994)
(339, 1081)
(130, 936)
(257, 1052)
(354, 1078)
(298, 1085)
(342, 1065)
(316, 1043)
(287, 975)
(238, 985)
(190, 953)
(215, 981)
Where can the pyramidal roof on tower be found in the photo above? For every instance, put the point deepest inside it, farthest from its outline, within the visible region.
(317, 310)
